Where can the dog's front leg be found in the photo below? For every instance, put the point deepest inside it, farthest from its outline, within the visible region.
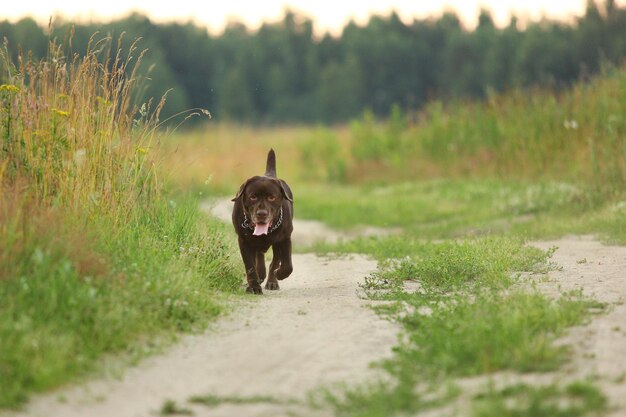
(260, 266)
(248, 255)
(283, 250)
(272, 282)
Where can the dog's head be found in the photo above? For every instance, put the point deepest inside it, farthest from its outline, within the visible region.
(261, 198)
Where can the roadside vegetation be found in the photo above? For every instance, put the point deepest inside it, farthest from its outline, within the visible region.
(464, 185)
(531, 163)
(470, 314)
(96, 256)
(459, 276)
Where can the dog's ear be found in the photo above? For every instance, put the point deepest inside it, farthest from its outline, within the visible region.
(283, 190)
(240, 192)
(243, 188)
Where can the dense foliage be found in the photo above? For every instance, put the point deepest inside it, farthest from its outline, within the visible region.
(283, 72)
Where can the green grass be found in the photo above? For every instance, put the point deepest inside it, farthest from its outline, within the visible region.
(469, 314)
(382, 399)
(450, 264)
(460, 208)
(170, 408)
(577, 399)
(478, 318)
(575, 136)
(472, 310)
(399, 205)
(95, 256)
(62, 310)
(465, 336)
(211, 400)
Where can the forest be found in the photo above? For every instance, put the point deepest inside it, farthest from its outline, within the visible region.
(285, 73)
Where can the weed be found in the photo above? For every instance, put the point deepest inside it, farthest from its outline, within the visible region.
(453, 208)
(171, 408)
(513, 331)
(576, 399)
(467, 317)
(211, 400)
(452, 263)
(382, 400)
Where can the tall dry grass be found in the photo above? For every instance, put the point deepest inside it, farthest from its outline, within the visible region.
(71, 130)
(578, 136)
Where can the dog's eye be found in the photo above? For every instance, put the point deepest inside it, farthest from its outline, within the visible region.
(271, 198)
(253, 197)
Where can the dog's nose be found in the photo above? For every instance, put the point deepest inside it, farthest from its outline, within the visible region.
(262, 214)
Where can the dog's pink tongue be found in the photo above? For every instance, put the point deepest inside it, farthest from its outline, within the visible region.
(261, 229)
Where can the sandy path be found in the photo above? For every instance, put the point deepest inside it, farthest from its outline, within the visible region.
(314, 331)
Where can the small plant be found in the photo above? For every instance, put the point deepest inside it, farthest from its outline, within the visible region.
(211, 400)
(171, 408)
(576, 399)
(465, 315)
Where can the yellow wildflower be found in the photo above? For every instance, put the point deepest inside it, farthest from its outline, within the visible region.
(102, 101)
(61, 113)
(10, 88)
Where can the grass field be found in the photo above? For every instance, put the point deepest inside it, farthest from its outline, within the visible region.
(531, 163)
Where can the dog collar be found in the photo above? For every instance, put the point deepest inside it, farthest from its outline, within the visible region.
(247, 225)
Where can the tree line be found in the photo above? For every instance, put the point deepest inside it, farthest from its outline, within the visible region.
(282, 72)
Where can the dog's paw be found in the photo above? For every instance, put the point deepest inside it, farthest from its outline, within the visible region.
(254, 289)
(272, 285)
(283, 272)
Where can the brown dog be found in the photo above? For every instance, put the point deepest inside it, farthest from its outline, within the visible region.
(263, 217)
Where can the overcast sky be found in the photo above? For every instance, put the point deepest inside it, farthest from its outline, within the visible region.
(328, 15)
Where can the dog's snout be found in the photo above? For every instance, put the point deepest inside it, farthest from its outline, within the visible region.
(262, 213)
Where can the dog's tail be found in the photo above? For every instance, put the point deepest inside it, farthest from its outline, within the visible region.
(270, 168)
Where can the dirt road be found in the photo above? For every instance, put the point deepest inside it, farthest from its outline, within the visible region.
(316, 331)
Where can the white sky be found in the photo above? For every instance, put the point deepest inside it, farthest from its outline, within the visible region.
(328, 15)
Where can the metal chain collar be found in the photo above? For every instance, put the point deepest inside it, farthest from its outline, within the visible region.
(247, 225)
